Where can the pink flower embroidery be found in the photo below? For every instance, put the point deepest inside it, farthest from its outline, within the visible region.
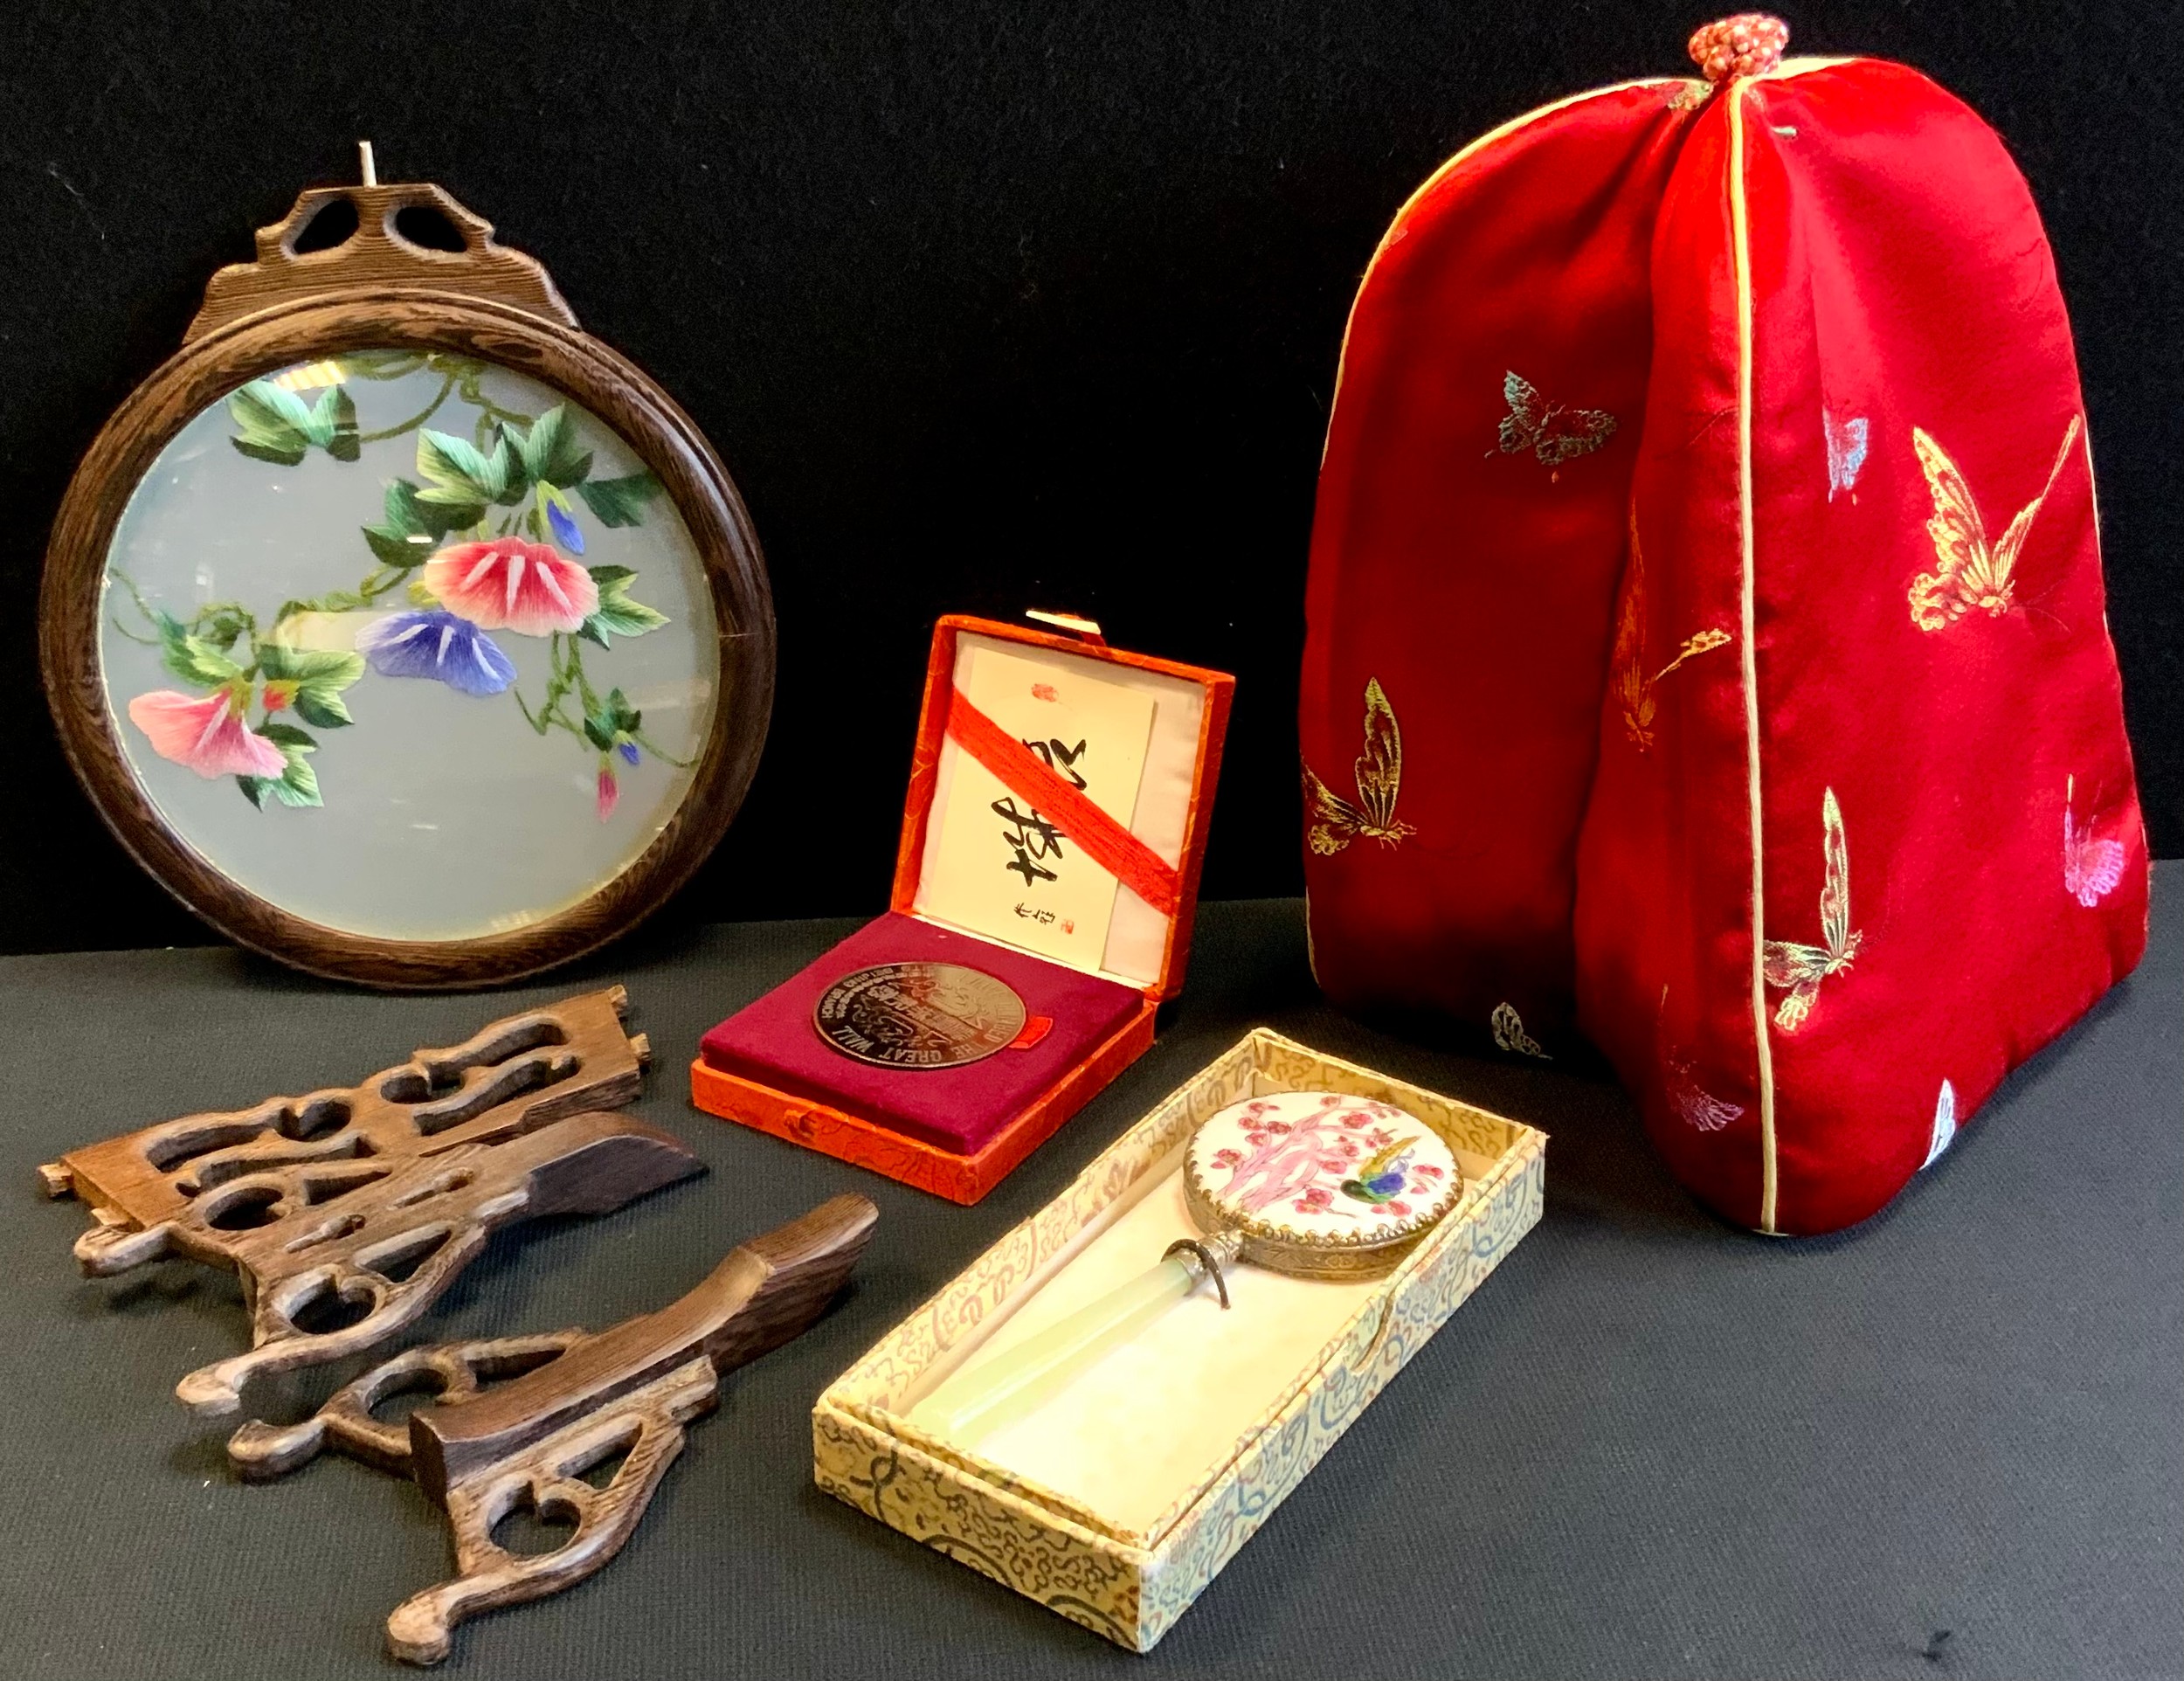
(1400, 1209)
(510, 584)
(206, 733)
(1318, 1199)
(1429, 1170)
(609, 793)
(1225, 1158)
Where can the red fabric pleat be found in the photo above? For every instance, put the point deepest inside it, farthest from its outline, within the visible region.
(1473, 584)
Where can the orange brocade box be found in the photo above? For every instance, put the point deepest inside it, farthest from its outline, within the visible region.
(1052, 839)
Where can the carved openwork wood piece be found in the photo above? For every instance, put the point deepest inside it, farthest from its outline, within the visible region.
(362, 1203)
(525, 1423)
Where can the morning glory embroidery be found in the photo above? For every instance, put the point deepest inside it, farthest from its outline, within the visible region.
(478, 543)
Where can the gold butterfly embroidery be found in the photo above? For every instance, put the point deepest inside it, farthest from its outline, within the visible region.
(1549, 431)
(1634, 690)
(1510, 1034)
(1802, 968)
(1378, 773)
(1973, 573)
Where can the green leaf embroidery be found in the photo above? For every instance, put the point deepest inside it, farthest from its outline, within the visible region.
(620, 502)
(191, 659)
(550, 451)
(626, 617)
(611, 720)
(274, 424)
(326, 711)
(462, 477)
(400, 552)
(298, 785)
(517, 480)
(319, 674)
(334, 424)
(617, 614)
(413, 527)
(223, 628)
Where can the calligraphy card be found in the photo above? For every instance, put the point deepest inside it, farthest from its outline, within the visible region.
(1008, 870)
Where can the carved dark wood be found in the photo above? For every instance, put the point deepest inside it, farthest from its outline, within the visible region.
(377, 254)
(646, 1424)
(451, 1371)
(372, 292)
(561, 1405)
(512, 1075)
(376, 1195)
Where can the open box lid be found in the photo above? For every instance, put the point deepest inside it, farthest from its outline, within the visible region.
(1060, 797)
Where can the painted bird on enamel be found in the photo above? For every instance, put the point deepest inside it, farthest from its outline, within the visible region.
(1384, 1174)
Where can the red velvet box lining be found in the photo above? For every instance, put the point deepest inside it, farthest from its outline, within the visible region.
(774, 1043)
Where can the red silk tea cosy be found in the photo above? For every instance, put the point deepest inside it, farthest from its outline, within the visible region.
(1706, 649)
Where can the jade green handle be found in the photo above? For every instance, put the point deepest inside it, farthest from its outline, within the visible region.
(984, 1396)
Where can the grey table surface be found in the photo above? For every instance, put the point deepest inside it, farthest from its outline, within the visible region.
(1650, 1446)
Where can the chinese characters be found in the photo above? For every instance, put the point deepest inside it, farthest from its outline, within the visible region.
(1060, 759)
(1033, 839)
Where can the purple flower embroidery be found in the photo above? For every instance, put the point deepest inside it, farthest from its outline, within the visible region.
(566, 531)
(628, 750)
(439, 645)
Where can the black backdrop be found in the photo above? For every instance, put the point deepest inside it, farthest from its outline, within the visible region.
(985, 305)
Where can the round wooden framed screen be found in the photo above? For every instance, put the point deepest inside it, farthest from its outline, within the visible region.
(403, 631)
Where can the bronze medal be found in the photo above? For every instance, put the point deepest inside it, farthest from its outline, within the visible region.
(919, 1015)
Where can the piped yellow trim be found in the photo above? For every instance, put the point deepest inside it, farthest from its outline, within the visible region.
(1741, 237)
(1434, 180)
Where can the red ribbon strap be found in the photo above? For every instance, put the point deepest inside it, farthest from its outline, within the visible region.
(1111, 846)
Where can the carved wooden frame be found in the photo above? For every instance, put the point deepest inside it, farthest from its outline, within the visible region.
(377, 290)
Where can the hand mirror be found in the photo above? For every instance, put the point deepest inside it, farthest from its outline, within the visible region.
(1315, 1184)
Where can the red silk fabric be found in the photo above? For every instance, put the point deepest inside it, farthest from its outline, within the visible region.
(1111, 846)
(1634, 668)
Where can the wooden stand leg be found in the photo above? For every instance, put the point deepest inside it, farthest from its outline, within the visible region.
(449, 1372)
(648, 1424)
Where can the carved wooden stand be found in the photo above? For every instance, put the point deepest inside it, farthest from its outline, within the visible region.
(564, 1404)
(377, 1194)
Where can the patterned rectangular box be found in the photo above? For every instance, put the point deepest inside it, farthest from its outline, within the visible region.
(1118, 1502)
